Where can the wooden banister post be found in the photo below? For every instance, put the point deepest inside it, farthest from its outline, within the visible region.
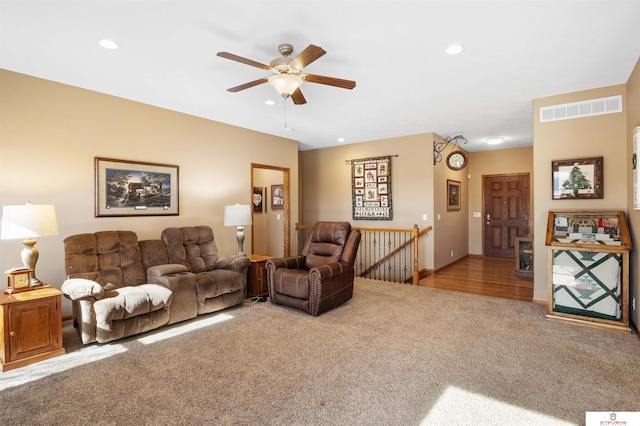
(416, 271)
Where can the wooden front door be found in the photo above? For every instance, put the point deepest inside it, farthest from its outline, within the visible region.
(505, 213)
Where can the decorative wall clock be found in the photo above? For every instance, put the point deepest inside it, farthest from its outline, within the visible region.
(457, 160)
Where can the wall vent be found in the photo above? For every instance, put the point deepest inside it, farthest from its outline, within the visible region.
(581, 109)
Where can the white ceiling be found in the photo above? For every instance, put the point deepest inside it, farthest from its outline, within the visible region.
(514, 51)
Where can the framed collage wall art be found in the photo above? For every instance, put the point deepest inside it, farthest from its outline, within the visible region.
(371, 188)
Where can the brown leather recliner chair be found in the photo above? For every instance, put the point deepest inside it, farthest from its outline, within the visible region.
(322, 277)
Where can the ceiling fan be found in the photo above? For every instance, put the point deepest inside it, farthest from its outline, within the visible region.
(288, 73)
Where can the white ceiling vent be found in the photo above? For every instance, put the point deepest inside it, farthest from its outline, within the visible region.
(580, 109)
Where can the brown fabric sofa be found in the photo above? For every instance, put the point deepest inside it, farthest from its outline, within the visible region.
(321, 278)
(120, 286)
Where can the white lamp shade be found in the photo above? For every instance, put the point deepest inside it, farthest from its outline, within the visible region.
(237, 215)
(28, 221)
(285, 84)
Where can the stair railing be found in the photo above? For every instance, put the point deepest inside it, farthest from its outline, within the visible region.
(387, 254)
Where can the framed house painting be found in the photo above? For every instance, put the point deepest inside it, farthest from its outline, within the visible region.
(135, 188)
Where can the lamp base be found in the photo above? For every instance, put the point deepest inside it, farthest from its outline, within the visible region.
(240, 238)
(29, 257)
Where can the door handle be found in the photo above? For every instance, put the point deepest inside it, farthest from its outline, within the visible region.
(488, 219)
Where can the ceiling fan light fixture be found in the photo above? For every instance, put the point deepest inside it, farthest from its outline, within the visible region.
(285, 84)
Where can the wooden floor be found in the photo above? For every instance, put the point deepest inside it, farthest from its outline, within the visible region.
(478, 275)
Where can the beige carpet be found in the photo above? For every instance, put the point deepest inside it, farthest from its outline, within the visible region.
(394, 355)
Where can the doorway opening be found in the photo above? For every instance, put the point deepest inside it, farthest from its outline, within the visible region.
(271, 233)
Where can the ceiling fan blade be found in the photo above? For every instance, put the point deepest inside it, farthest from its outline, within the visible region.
(330, 81)
(242, 60)
(248, 85)
(297, 97)
(307, 56)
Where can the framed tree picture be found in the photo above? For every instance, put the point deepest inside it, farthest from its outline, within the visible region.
(577, 179)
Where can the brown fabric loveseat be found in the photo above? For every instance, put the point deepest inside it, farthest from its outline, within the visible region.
(120, 286)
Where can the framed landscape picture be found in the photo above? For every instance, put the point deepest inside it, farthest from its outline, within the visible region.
(453, 195)
(134, 188)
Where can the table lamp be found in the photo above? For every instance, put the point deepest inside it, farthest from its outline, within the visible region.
(28, 221)
(238, 215)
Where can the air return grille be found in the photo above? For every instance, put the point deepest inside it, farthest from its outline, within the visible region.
(581, 109)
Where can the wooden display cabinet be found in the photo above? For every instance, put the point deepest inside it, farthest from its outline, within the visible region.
(524, 257)
(30, 327)
(589, 268)
(257, 279)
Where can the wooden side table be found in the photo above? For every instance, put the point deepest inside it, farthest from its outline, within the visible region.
(257, 280)
(30, 327)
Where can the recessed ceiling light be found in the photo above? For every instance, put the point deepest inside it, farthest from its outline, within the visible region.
(454, 49)
(340, 139)
(494, 141)
(108, 44)
(269, 102)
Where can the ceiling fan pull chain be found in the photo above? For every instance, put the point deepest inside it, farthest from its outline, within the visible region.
(284, 110)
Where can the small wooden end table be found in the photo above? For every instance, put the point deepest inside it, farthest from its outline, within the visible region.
(30, 326)
(257, 279)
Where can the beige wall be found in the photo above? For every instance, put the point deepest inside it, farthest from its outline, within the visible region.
(326, 185)
(451, 228)
(633, 121)
(495, 162)
(597, 136)
(51, 132)
(268, 227)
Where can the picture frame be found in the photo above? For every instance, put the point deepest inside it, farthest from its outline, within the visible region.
(453, 195)
(277, 197)
(258, 199)
(634, 168)
(574, 179)
(135, 188)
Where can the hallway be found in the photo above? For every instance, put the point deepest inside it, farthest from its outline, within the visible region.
(482, 275)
